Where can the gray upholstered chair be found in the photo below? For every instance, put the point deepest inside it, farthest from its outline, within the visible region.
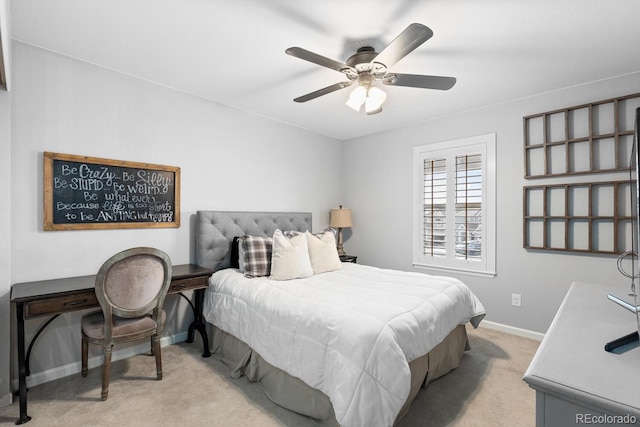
(131, 287)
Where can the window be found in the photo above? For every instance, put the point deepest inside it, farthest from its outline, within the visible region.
(454, 205)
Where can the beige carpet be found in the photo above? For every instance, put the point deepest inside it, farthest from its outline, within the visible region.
(486, 390)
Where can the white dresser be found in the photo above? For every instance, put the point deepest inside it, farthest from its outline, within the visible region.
(576, 381)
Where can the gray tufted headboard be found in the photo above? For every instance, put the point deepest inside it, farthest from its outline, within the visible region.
(215, 231)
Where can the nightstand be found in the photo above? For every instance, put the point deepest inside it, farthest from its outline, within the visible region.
(348, 258)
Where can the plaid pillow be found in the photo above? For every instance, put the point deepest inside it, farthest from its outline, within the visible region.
(257, 255)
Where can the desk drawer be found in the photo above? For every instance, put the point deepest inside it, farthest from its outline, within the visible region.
(180, 285)
(60, 304)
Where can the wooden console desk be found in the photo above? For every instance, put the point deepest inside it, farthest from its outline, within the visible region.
(575, 379)
(58, 296)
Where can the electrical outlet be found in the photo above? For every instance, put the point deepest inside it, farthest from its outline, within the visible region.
(516, 300)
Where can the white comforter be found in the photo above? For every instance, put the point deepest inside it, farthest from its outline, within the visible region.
(349, 333)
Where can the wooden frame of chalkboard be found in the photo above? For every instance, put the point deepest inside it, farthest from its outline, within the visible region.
(83, 193)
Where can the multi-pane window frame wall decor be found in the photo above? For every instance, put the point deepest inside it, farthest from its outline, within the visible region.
(594, 217)
(584, 215)
(589, 138)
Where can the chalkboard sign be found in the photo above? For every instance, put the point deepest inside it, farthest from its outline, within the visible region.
(90, 193)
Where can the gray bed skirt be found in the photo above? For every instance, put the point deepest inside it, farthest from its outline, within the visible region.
(295, 395)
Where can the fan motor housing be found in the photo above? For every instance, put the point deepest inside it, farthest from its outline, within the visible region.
(361, 60)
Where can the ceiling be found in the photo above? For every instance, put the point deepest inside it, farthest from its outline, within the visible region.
(232, 52)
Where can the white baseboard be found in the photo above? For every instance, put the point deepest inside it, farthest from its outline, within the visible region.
(6, 400)
(512, 330)
(74, 368)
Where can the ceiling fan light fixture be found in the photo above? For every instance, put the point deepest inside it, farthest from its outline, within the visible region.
(375, 99)
(367, 94)
(371, 111)
(357, 98)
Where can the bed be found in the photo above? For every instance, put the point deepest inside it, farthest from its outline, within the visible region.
(350, 346)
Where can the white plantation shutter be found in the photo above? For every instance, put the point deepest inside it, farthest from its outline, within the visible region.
(454, 205)
(468, 207)
(435, 205)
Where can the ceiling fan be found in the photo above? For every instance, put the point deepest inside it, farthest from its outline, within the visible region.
(368, 67)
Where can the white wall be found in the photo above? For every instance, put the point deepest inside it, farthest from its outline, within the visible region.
(229, 161)
(379, 177)
(4, 36)
(5, 244)
(5, 214)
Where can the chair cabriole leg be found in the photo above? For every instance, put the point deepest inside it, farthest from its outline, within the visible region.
(106, 371)
(158, 355)
(85, 355)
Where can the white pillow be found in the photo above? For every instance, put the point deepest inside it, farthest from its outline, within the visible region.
(322, 252)
(290, 257)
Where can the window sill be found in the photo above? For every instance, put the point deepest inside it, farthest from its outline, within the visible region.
(470, 272)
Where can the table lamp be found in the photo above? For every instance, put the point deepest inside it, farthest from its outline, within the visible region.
(340, 218)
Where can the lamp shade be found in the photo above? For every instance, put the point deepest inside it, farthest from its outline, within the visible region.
(340, 218)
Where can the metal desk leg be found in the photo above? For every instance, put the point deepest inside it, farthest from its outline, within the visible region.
(198, 323)
(22, 374)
